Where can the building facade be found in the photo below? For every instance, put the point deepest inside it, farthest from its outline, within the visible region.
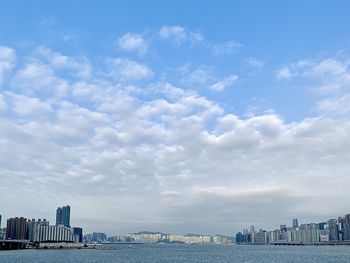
(78, 231)
(34, 228)
(63, 216)
(57, 233)
(17, 228)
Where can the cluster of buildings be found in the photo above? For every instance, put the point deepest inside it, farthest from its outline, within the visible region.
(37, 231)
(146, 237)
(96, 237)
(334, 231)
(157, 237)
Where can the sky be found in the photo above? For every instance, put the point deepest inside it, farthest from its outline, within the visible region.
(175, 116)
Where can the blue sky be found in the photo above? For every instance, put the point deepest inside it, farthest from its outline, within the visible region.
(172, 108)
(272, 32)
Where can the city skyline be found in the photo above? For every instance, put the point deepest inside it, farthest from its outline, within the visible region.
(342, 224)
(180, 116)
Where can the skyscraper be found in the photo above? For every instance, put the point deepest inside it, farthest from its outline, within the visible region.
(17, 228)
(0, 221)
(63, 216)
(295, 223)
(346, 227)
(333, 229)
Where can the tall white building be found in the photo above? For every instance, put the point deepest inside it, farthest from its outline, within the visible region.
(34, 229)
(57, 233)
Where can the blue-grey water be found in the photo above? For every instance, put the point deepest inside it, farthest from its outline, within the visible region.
(184, 253)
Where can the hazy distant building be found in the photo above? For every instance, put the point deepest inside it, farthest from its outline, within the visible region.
(333, 230)
(252, 234)
(261, 237)
(321, 226)
(2, 234)
(17, 228)
(87, 238)
(240, 238)
(63, 216)
(346, 231)
(346, 227)
(295, 223)
(78, 231)
(99, 237)
(190, 239)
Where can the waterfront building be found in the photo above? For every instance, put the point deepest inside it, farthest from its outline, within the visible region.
(323, 236)
(261, 237)
(346, 231)
(17, 228)
(190, 239)
(147, 237)
(63, 216)
(218, 239)
(301, 236)
(291, 235)
(283, 235)
(273, 236)
(98, 237)
(252, 234)
(58, 233)
(240, 239)
(333, 230)
(34, 229)
(346, 227)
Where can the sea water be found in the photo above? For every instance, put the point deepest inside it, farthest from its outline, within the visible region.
(184, 253)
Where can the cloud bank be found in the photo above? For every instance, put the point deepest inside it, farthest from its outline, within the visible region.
(130, 151)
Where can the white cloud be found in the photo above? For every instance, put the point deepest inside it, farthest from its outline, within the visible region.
(37, 77)
(128, 69)
(329, 80)
(255, 63)
(196, 37)
(179, 35)
(293, 70)
(225, 83)
(335, 105)
(328, 66)
(201, 75)
(3, 104)
(7, 61)
(227, 48)
(79, 65)
(28, 106)
(284, 73)
(133, 43)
